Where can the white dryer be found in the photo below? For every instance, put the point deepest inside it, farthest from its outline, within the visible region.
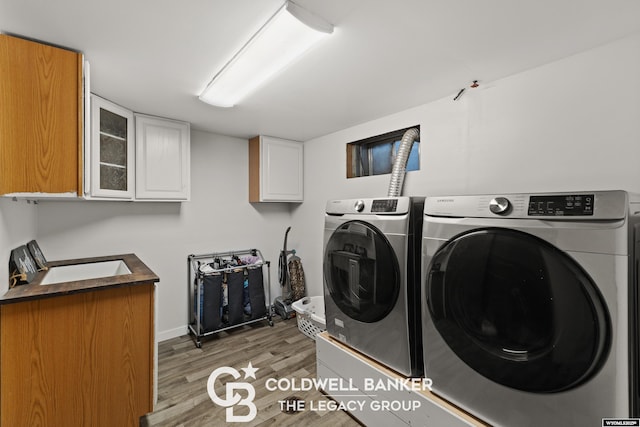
(372, 278)
(530, 306)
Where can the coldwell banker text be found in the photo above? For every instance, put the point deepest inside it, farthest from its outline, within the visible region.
(330, 385)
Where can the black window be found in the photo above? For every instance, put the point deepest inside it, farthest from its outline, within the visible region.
(376, 155)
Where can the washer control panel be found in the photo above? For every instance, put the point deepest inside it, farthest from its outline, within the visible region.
(574, 206)
(369, 206)
(561, 205)
(384, 205)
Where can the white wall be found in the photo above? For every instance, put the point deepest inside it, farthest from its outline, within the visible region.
(218, 218)
(566, 126)
(17, 227)
(569, 125)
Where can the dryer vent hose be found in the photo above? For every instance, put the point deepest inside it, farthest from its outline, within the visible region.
(400, 165)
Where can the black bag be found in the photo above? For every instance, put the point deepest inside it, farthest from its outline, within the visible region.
(256, 292)
(37, 255)
(22, 267)
(211, 304)
(235, 293)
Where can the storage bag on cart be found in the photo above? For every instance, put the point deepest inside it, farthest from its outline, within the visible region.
(256, 292)
(235, 290)
(212, 304)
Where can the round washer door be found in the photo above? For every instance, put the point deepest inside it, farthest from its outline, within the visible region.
(361, 271)
(518, 310)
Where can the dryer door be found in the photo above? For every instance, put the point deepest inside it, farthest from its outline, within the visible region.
(518, 310)
(361, 271)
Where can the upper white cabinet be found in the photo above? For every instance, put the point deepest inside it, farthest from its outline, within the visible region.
(135, 156)
(162, 159)
(111, 151)
(275, 170)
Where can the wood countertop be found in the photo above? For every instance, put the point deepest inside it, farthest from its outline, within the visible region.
(140, 273)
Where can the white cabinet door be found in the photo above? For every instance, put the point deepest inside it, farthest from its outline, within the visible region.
(279, 170)
(162, 159)
(111, 150)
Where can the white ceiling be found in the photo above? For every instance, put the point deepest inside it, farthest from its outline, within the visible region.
(156, 56)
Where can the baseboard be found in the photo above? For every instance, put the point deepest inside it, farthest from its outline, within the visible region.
(172, 333)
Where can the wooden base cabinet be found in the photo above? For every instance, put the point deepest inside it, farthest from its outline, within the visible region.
(82, 359)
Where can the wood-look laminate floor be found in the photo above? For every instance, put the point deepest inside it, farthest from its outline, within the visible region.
(280, 351)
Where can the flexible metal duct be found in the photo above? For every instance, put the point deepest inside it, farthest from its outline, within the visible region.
(400, 165)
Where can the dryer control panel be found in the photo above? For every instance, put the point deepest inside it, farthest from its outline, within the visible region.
(562, 205)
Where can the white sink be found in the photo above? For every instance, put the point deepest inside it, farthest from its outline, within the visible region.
(92, 270)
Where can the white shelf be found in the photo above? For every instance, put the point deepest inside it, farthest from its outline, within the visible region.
(357, 373)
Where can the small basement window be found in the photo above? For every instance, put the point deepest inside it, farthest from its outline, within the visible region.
(375, 155)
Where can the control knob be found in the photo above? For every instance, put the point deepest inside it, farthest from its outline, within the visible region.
(500, 205)
(359, 206)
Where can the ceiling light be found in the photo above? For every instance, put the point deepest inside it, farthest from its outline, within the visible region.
(286, 36)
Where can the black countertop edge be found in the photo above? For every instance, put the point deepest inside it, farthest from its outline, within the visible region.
(140, 274)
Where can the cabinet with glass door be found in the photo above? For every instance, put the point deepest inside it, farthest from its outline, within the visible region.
(111, 150)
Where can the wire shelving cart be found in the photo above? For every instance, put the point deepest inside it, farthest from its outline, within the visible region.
(227, 290)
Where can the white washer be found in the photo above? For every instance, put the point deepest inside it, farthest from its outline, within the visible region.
(372, 278)
(530, 306)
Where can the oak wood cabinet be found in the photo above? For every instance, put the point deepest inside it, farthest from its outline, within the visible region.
(79, 359)
(40, 118)
(275, 170)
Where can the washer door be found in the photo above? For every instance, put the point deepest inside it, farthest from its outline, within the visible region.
(361, 271)
(518, 310)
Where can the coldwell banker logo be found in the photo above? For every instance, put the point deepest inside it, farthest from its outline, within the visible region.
(239, 395)
(232, 398)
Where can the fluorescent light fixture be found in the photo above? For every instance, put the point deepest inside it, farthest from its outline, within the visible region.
(290, 32)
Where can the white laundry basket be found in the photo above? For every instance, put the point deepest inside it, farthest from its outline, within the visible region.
(310, 315)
